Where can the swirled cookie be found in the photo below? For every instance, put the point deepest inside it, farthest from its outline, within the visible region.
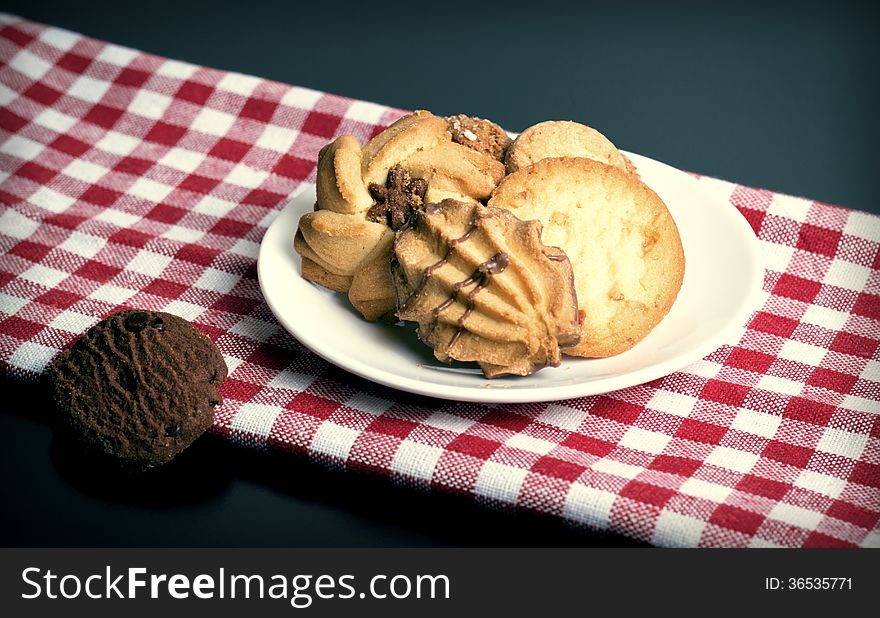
(623, 244)
(364, 194)
(483, 287)
(558, 138)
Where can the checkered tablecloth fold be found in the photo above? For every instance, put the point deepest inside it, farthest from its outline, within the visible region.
(130, 180)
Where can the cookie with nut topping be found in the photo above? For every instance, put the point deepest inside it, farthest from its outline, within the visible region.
(479, 134)
(138, 387)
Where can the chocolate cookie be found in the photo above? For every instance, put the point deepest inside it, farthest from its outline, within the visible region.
(139, 386)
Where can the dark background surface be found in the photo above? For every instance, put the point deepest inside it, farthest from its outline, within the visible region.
(217, 495)
(778, 96)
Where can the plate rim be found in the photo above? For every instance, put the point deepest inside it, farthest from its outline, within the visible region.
(484, 393)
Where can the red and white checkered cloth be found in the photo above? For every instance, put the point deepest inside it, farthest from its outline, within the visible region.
(129, 180)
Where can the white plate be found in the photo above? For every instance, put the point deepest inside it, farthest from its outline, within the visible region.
(722, 282)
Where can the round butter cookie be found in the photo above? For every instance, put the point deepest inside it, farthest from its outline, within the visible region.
(622, 242)
(563, 138)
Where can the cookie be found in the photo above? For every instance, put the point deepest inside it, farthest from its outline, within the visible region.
(338, 183)
(557, 138)
(338, 244)
(479, 134)
(365, 194)
(410, 134)
(623, 244)
(139, 387)
(484, 288)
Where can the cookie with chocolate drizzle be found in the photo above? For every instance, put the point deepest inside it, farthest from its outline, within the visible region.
(484, 288)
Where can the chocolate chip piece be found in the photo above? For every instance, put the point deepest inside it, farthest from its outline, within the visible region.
(136, 321)
(126, 379)
(158, 324)
(172, 431)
